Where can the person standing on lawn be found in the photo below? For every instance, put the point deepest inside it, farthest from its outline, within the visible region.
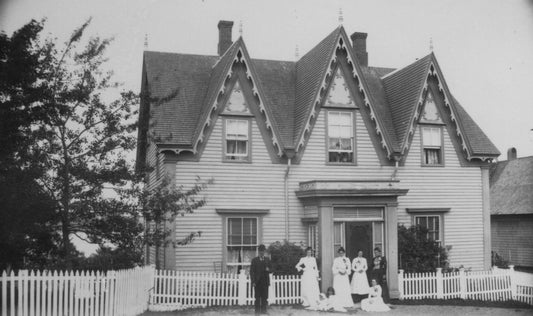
(359, 279)
(341, 283)
(260, 277)
(378, 272)
(310, 291)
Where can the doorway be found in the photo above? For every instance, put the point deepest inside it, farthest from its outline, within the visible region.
(359, 237)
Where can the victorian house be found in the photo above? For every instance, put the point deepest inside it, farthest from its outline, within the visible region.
(326, 151)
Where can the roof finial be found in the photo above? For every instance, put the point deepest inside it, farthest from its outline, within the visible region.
(341, 19)
(145, 41)
(296, 52)
(240, 28)
(431, 44)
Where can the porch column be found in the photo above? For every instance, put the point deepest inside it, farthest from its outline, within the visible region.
(391, 251)
(325, 228)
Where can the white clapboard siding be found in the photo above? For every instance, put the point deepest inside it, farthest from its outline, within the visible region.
(58, 293)
(174, 289)
(493, 285)
(260, 185)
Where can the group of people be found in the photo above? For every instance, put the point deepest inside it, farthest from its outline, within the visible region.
(342, 295)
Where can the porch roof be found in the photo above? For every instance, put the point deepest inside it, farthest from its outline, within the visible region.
(340, 188)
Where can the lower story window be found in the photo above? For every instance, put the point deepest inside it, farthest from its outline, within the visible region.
(242, 242)
(312, 238)
(432, 223)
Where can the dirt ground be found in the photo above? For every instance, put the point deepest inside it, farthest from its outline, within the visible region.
(395, 310)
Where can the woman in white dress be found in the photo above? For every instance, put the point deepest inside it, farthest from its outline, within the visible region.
(309, 285)
(374, 302)
(359, 279)
(341, 283)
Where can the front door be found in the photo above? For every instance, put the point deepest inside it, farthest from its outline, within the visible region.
(359, 237)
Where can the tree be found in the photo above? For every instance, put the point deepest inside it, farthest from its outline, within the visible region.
(27, 228)
(418, 253)
(78, 132)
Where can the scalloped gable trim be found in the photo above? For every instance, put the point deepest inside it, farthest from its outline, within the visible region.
(362, 88)
(434, 70)
(240, 55)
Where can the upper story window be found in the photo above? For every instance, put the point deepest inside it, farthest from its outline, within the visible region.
(432, 149)
(237, 139)
(340, 137)
(433, 224)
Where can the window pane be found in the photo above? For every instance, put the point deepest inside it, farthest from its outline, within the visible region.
(337, 233)
(346, 144)
(378, 233)
(432, 156)
(431, 136)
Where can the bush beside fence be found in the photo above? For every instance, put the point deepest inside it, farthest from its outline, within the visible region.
(76, 293)
(493, 285)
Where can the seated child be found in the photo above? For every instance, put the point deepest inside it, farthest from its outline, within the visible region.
(374, 302)
(329, 302)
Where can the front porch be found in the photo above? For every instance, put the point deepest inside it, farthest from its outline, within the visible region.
(357, 214)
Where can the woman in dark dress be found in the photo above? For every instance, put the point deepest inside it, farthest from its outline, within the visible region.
(378, 272)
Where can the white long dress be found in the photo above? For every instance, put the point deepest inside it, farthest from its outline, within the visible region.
(341, 283)
(374, 302)
(309, 286)
(359, 279)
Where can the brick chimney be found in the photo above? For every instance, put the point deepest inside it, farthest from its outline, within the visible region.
(359, 45)
(224, 36)
(511, 154)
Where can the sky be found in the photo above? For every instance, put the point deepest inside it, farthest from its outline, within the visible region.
(484, 47)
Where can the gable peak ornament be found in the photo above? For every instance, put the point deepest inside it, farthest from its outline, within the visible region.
(237, 103)
(430, 113)
(339, 95)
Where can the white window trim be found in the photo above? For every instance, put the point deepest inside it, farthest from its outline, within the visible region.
(423, 147)
(227, 156)
(353, 139)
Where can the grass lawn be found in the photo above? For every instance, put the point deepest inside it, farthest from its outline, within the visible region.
(296, 310)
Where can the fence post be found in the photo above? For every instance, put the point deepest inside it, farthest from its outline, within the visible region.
(513, 282)
(440, 285)
(241, 288)
(400, 283)
(462, 283)
(271, 290)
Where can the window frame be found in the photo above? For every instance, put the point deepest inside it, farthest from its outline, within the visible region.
(423, 147)
(441, 212)
(248, 157)
(226, 214)
(353, 114)
(440, 217)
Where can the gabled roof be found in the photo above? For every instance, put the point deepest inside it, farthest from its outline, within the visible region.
(289, 93)
(403, 88)
(511, 187)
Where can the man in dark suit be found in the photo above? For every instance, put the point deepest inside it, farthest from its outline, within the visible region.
(259, 275)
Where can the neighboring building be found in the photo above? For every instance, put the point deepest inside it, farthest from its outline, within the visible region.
(511, 209)
(326, 151)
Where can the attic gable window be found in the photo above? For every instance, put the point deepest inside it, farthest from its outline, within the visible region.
(237, 137)
(340, 137)
(432, 149)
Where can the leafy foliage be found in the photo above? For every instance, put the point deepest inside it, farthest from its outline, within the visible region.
(417, 253)
(284, 257)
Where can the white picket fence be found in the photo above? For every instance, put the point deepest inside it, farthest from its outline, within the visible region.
(58, 293)
(493, 285)
(185, 288)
